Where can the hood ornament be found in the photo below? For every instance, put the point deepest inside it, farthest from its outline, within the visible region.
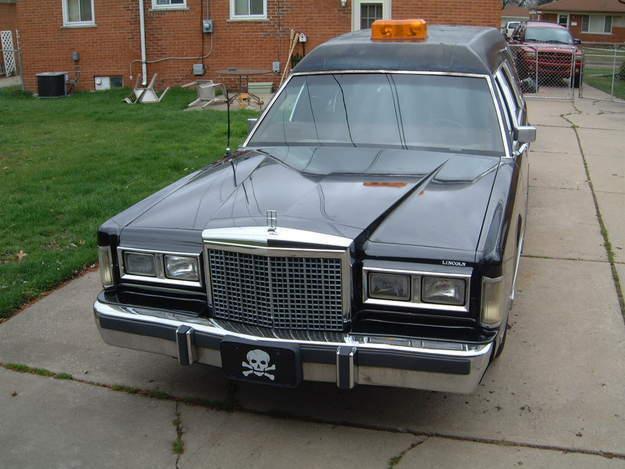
(272, 220)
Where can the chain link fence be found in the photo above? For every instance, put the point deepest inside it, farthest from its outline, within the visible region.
(604, 71)
(548, 71)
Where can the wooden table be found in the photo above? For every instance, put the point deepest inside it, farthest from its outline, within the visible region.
(244, 74)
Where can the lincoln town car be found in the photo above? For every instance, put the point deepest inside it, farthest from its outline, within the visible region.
(367, 231)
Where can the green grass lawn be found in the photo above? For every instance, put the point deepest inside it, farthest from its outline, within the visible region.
(601, 78)
(67, 165)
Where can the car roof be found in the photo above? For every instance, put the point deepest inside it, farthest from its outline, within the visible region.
(543, 24)
(452, 49)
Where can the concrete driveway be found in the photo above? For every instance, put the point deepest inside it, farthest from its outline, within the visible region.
(556, 398)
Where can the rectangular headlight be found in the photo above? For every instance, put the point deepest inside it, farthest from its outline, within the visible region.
(181, 267)
(106, 266)
(443, 290)
(386, 286)
(136, 263)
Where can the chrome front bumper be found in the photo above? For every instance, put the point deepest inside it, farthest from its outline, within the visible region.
(344, 359)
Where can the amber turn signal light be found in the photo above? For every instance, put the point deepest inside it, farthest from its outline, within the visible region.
(399, 30)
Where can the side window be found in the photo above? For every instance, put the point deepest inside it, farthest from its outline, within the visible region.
(514, 85)
(506, 110)
(509, 98)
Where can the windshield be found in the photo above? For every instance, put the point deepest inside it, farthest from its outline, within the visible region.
(555, 35)
(384, 110)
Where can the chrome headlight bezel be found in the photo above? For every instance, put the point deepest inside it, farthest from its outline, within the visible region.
(148, 257)
(429, 297)
(161, 276)
(416, 300)
(188, 267)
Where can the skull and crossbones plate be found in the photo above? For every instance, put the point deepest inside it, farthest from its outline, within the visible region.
(260, 363)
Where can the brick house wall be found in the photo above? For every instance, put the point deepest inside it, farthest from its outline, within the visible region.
(618, 32)
(112, 47)
(8, 19)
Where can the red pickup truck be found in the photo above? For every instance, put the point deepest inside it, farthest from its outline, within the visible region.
(547, 52)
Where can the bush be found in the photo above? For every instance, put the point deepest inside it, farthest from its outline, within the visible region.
(621, 72)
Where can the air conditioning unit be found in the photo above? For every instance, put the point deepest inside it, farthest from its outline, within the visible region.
(51, 84)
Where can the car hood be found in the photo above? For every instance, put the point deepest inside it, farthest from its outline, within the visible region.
(389, 197)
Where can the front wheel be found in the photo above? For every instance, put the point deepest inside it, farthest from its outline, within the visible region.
(503, 341)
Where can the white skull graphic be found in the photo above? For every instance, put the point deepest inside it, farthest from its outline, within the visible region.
(259, 360)
(258, 363)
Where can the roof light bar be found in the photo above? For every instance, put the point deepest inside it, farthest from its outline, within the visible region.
(399, 30)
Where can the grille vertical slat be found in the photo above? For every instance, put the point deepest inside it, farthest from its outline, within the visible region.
(277, 291)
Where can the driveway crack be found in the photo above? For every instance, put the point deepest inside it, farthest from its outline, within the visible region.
(604, 230)
(178, 444)
(395, 460)
(227, 407)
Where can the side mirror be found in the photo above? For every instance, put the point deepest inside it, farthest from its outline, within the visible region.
(525, 134)
(250, 124)
(577, 41)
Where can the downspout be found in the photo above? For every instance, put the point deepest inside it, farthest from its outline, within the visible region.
(144, 64)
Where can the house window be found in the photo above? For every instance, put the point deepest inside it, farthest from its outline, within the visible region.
(365, 12)
(563, 20)
(248, 9)
(78, 13)
(597, 24)
(369, 12)
(168, 4)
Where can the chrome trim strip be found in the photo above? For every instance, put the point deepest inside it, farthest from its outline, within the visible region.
(502, 128)
(411, 304)
(159, 265)
(518, 261)
(395, 72)
(261, 236)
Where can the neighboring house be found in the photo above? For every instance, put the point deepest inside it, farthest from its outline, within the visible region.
(588, 20)
(246, 33)
(514, 12)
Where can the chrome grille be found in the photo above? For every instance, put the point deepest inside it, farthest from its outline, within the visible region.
(277, 291)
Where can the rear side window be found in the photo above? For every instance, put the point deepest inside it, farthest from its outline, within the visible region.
(508, 94)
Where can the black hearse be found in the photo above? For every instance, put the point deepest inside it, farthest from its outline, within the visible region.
(368, 231)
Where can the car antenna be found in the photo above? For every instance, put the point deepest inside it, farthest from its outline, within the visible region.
(228, 152)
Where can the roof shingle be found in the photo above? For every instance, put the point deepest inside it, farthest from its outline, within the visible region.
(584, 6)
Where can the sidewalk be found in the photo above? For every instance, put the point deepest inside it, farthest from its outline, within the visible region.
(556, 398)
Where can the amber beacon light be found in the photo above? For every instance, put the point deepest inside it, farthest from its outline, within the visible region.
(399, 30)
